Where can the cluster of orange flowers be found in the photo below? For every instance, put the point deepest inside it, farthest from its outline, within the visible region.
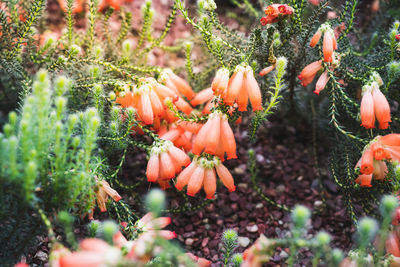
(156, 103)
(372, 163)
(374, 105)
(329, 45)
(274, 12)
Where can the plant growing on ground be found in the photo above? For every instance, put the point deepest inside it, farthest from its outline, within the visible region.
(68, 145)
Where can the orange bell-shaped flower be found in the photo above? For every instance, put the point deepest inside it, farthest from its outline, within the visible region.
(202, 173)
(165, 162)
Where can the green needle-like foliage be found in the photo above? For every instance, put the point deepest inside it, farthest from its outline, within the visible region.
(46, 157)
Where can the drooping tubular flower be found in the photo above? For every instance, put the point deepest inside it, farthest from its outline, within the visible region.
(314, 2)
(381, 106)
(165, 162)
(146, 102)
(103, 190)
(176, 83)
(151, 225)
(374, 104)
(266, 70)
(243, 87)
(202, 173)
(367, 110)
(161, 90)
(275, 12)
(220, 82)
(204, 96)
(321, 82)
(309, 72)
(329, 44)
(216, 137)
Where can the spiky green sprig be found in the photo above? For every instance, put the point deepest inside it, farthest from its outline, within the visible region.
(5, 29)
(106, 27)
(232, 35)
(248, 8)
(90, 34)
(147, 21)
(157, 42)
(333, 97)
(25, 28)
(143, 69)
(70, 22)
(261, 116)
(125, 26)
(125, 214)
(202, 30)
(345, 99)
(110, 67)
(189, 207)
(352, 4)
(189, 65)
(298, 11)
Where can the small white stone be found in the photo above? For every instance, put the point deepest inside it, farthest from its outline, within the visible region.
(243, 241)
(252, 228)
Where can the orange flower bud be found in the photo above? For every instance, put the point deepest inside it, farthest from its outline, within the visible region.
(327, 46)
(235, 84)
(321, 83)
(315, 38)
(367, 110)
(381, 106)
(367, 162)
(253, 90)
(226, 177)
(266, 70)
(202, 97)
(210, 184)
(310, 70)
(196, 181)
(184, 176)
